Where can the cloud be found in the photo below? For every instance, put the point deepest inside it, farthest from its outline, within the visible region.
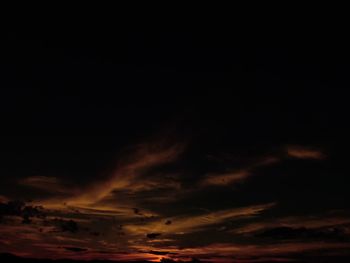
(48, 184)
(130, 171)
(160, 252)
(3, 199)
(75, 249)
(118, 212)
(136, 172)
(153, 235)
(224, 179)
(302, 152)
(293, 222)
(20, 209)
(304, 233)
(192, 223)
(232, 252)
(238, 175)
(66, 225)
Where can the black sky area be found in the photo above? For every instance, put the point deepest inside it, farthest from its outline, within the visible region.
(81, 92)
(74, 101)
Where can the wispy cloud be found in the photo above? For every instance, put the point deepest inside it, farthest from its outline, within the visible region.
(133, 174)
(129, 215)
(192, 223)
(129, 172)
(294, 222)
(236, 252)
(224, 179)
(237, 175)
(302, 152)
(48, 184)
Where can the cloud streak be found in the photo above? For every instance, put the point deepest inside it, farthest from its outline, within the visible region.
(47, 184)
(146, 210)
(302, 152)
(225, 179)
(193, 223)
(129, 173)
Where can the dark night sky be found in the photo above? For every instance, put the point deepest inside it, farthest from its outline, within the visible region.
(172, 144)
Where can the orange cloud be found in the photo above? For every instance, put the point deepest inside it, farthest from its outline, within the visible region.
(294, 222)
(193, 223)
(131, 175)
(234, 252)
(3, 199)
(302, 152)
(224, 179)
(49, 184)
(128, 175)
(237, 175)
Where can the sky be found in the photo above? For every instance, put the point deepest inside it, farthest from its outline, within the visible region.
(139, 145)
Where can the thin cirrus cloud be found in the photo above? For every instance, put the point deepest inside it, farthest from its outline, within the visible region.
(193, 223)
(238, 175)
(310, 222)
(225, 179)
(126, 215)
(128, 174)
(247, 252)
(302, 152)
(48, 184)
